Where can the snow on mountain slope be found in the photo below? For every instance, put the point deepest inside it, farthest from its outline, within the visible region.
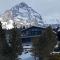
(7, 25)
(23, 12)
(52, 21)
(23, 15)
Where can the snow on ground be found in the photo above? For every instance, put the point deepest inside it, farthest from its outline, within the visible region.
(27, 46)
(26, 56)
(54, 52)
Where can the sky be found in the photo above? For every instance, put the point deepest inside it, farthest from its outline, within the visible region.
(47, 8)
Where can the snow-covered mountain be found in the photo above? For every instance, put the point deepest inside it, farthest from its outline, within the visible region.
(23, 10)
(29, 16)
(22, 15)
(54, 22)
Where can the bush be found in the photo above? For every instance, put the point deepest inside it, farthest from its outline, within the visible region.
(54, 57)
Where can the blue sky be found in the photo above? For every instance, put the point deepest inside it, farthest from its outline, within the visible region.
(47, 8)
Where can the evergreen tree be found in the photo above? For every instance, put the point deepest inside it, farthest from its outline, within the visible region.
(6, 48)
(45, 43)
(35, 47)
(16, 43)
(1, 42)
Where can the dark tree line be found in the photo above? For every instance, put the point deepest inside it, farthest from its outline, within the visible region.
(43, 45)
(10, 52)
(16, 43)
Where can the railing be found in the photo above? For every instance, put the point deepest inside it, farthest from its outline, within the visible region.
(29, 36)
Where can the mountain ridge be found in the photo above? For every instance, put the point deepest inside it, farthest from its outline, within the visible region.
(23, 15)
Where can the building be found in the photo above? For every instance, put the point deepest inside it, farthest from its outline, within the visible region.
(27, 34)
